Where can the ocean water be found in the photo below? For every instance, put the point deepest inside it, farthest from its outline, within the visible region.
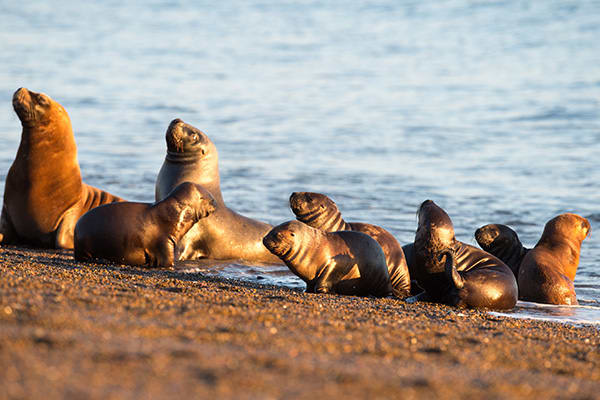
(490, 108)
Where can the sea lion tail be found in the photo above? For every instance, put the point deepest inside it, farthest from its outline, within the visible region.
(451, 272)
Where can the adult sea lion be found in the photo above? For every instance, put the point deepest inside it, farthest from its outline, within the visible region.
(225, 234)
(547, 271)
(344, 262)
(141, 233)
(455, 273)
(320, 212)
(44, 195)
(502, 242)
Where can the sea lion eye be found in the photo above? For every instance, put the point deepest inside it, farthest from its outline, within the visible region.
(43, 101)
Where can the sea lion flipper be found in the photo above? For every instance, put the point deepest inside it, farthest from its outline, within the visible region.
(65, 231)
(451, 272)
(165, 254)
(7, 230)
(325, 281)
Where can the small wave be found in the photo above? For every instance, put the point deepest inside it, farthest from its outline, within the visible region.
(557, 113)
(572, 315)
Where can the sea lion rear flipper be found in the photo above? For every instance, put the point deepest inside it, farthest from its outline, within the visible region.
(7, 230)
(451, 272)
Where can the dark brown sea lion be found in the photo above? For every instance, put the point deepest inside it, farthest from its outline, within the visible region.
(225, 234)
(141, 233)
(343, 262)
(455, 273)
(44, 195)
(547, 271)
(503, 242)
(320, 212)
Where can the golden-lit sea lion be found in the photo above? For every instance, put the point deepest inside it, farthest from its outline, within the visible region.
(547, 271)
(320, 212)
(454, 273)
(141, 233)
(343, 262)
(225, 234)
(44, 195)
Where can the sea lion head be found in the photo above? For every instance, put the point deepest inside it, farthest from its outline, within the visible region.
(195, 198)
(496, 238)
(566, 226)
(311, 207)
(185, 139)
(434, 236)
(285, 239)
(37, 108)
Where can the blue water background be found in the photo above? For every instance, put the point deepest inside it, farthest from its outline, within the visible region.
(490, 108)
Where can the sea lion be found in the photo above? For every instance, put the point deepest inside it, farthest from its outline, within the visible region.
(44, 195)
(455, 273)
(141, 233)
(344, 262)
(225, 234)
(503, 242)
(320, 212)
(547, 271)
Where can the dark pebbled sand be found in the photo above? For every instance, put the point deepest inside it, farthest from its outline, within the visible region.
(76, 330)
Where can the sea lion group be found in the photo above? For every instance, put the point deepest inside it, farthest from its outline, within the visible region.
(47, 204)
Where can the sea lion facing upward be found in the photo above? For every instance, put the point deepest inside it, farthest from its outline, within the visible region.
(44, 195)
(141, 233)
(454, 273)
(320, 212)
(502, 242)
(342, 262)
(225, 234)
(547, 271)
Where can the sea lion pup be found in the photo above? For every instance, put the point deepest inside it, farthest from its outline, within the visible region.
(547, 271)
(141, 233)
(344, 262)
(503, 242)
(455, 273)
(44, 195)
(225, 234)
(320, 212)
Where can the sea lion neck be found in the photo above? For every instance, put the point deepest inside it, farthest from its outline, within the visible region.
(188, 157)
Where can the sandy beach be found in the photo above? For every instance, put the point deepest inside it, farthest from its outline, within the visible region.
(77, 330)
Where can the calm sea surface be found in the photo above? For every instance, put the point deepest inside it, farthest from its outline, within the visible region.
(490, 108)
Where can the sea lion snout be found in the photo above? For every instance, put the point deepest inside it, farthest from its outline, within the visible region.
(21, 102)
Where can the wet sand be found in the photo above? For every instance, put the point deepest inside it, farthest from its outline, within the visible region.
(78, 330)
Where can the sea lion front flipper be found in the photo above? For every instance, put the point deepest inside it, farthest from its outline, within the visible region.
(451, 272)
(165, 253)
(66, 229)
(326, 279)
(7, 230)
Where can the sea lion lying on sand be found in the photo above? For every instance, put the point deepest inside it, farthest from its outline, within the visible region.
(225, 234)
(547, 271)
(141, 233)
(455, 273)
(343, 262)
(320, 212)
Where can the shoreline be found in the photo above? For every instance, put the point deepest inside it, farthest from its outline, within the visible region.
(72, 329)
